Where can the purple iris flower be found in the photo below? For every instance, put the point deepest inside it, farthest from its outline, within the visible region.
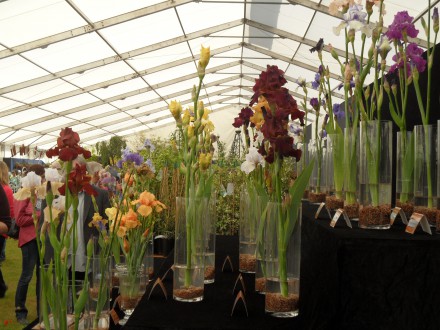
(314, 103)
(150, 164)
(401, 27)
(149, 144)
(134, 158)
(316, 82)
(338, 111)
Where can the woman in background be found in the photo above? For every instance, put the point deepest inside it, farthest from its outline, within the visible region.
(5, 224)
(4, 181)
(29, 250)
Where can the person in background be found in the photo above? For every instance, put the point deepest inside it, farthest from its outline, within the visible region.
(85, 232)
(29, 250)
(5, 224)
(14, 181)
(4, 181)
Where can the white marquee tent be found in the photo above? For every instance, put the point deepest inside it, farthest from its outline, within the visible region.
(111, 67)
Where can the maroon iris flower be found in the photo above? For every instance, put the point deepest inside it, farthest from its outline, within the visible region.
(67, 147)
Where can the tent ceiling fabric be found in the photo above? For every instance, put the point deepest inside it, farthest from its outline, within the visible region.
(110, 67)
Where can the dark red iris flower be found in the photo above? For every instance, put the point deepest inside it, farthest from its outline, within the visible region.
(270, 80)
(79, 181)
(243, 118)
(67, 147)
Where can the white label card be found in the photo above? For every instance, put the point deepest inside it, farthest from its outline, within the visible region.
(398, 211)
(321, 206)
(336, 217)
(415, 220)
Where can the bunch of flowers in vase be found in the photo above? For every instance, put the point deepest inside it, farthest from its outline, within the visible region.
(283, 220)
(426, 141)
(253, 188)
(396, 85)
(61, 305)
(192, 214)
(253, 197)
(364, 105)
(332, 131)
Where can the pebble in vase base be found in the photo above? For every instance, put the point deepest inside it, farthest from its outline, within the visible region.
(438, 222)
(429, 212)
(247, 263)
(407, 207)
(375, 217)
(317, 197)
(192, 292)
(278, 306)
(260, 285)
(334, 203)
(352, 211)
(209, 274)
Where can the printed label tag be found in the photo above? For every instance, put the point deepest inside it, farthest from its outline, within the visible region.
(415, 220)
(321, 206)
(336, 217)
(395, 212)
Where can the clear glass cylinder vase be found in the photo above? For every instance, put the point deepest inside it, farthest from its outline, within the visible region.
(375, 174)
(131, 289)
(405, 172)
(211, 222)
(425, 171)
(189, 249)
(99, 293)
(63, 302)
(260, 252)
(247, 230)
(351, 181)
(335, 170)
(283, 256)
(148, 261)
(318, 180)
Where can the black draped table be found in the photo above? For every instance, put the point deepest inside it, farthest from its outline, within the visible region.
(350, 279)
(368, 279)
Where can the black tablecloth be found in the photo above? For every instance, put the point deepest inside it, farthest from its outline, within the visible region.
(368, 279)
(350, 279)
(214, 312)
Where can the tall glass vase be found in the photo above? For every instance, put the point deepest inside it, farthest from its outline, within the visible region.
(63, 304)
(210, 232)
(247, 231)
(189, 249)
(351, 182)
(99, 293)
(131, 289)
(318, 189)
(425, 172)
(375, 174)
(148, 261)
(405, 172)
(335, 170)
(260, 267)
(283, 256)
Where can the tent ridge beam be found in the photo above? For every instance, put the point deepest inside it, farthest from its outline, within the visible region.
(110, 82)
(85, 29)
(122, 56)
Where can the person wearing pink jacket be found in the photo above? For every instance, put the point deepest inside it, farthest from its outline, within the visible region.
(29, 250)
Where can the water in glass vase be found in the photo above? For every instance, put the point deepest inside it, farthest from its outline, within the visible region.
(279, 305)
(209, 268)
(184, 292)
(247, 259)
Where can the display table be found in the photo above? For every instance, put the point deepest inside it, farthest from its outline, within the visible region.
(214, 312)
(350, 279)
(368, 279)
